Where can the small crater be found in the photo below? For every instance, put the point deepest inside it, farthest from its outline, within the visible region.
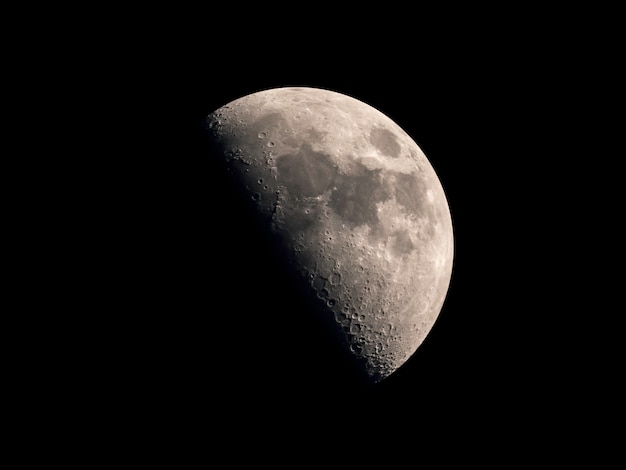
(385, 141)
(355, 328)
(340, 317)
(318, 282)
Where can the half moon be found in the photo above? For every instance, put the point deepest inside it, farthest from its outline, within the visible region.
(361, 217)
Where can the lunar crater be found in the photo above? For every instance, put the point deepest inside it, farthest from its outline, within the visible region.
(385, 141)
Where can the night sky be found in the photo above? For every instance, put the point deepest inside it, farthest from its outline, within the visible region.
(197, 329)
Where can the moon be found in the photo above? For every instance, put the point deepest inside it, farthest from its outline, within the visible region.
(359, 214)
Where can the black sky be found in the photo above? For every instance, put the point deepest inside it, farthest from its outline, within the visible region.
(463, 108)
(191, 301)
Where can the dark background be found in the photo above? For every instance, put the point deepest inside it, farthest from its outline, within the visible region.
(187, 336)
(221, 329)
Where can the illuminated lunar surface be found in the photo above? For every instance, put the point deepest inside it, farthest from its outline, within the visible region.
(361, 215)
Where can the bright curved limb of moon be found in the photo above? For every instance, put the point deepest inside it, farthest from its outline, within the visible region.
(361, 213)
